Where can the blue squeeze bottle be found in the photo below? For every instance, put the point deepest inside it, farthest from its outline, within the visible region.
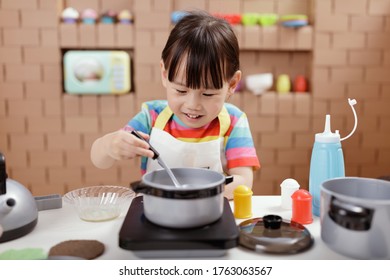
(327, 159)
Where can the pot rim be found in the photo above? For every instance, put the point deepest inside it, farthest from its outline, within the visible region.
(351, 198)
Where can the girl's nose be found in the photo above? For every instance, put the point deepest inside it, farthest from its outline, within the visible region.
(194, 101)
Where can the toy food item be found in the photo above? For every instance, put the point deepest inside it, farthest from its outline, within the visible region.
(89, 16)
(125, 17)
(294, 20)
(108, 17)
(70, 15)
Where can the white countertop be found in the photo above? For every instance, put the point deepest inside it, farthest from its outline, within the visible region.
(58, 225)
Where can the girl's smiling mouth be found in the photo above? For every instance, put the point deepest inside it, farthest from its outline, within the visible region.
(192, 116)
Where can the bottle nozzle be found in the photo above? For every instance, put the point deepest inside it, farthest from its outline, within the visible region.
(327, 128)
(351, 103)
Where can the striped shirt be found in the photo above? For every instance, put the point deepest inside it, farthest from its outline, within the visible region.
(239, 148)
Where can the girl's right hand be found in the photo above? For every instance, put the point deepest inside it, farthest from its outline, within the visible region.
(123, 145)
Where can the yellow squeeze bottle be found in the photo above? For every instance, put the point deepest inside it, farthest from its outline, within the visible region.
(242, 197)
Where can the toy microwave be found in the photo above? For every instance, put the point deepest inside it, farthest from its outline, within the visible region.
(96, 72)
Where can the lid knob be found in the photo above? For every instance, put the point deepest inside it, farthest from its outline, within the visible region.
(272, 221)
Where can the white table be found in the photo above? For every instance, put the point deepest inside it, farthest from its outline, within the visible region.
(58, 225)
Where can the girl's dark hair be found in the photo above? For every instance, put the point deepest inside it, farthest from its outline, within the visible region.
(208, 47)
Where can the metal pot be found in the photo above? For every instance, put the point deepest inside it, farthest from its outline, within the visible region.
(198, 204)
(355, 217)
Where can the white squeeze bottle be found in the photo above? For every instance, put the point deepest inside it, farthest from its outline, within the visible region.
(327, 160)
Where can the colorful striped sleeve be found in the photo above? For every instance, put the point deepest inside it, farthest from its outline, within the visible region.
(239, 149)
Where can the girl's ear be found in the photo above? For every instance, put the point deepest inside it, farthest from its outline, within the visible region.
(164, 73)
(233, 84)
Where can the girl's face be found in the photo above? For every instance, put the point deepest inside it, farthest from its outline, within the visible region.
(196, 107)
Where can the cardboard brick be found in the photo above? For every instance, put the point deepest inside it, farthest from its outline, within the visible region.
(275, 173)
(52, 107)
(296, 156)
(320, 107)
(20, 37)
(39, 18)
(348, 40)
(68, 35)
(12, 124)
(81, 124)
(328, 90)
(266, 156)
(113, 123)
(78, 159)
(71, 105)
(89, 105)
(11, 90)
(80, 5)
(148, 55)
(268, 104)
(29, 175)
(346, 74)
(161, 20)
(304, 139)
(285, 105)
(302, 104)
(105, 35)
(124, 35)
(320, 74)
(254, 6)
(331, 23)
(70, 176)
(365, 57)
(26, 142)
(378, 7)
(221, 6)
(41, 55)
(46, 158)
(293, 124)
(3, 110)
(16, 158)
(186, 5)
(376, 140)
(163, 6)
(49, 37)
(87, 35)
(250, 103)
(277, 140)
(107, 105)
(43, 90)
(51, 5)
(19, 4)
(377, 74)
(351, 7)
(384, 157)
(129, 173)
(63, 141)
(304, 38)
(251, 37)
(44, 124)
(142, 5)
(262, 124)
(28, 108)
(363, 91)
(95, 176)
(322, 40)
(376, 40)
(367, 23)
(330, 57)
(160, 38)
(238, 31)
(11, 55)
(292, 7)
(9, 18)
(287, 39)
(126, 105)
(52, 73)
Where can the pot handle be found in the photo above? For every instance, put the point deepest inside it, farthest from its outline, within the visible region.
(229, 179)
(350, 216)
(139, 187)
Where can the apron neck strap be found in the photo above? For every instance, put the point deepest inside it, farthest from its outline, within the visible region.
(166, 114)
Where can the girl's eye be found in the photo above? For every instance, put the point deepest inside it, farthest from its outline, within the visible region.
(181, 91)
(208, 94)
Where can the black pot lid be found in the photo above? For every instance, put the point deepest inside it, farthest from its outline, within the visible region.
(272, 234)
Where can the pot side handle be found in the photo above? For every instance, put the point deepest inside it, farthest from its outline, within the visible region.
(229, 179)
(139, 187)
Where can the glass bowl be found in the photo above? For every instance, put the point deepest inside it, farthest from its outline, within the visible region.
(99, 203)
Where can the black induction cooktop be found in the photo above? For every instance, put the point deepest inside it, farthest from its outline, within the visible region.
(142, 236)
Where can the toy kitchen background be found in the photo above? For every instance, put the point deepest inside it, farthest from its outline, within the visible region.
(344, 52)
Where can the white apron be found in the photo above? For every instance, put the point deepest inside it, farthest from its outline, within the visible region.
(177, 153)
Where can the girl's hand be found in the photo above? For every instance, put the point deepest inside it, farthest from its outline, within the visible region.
(123, 145)
(118, 145)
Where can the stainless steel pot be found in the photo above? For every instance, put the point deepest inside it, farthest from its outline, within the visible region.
(355, 217)
(199, 203)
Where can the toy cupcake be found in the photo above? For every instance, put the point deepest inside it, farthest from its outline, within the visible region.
(108, 17)
(70, 15)
(89, 16)
(125, 17)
